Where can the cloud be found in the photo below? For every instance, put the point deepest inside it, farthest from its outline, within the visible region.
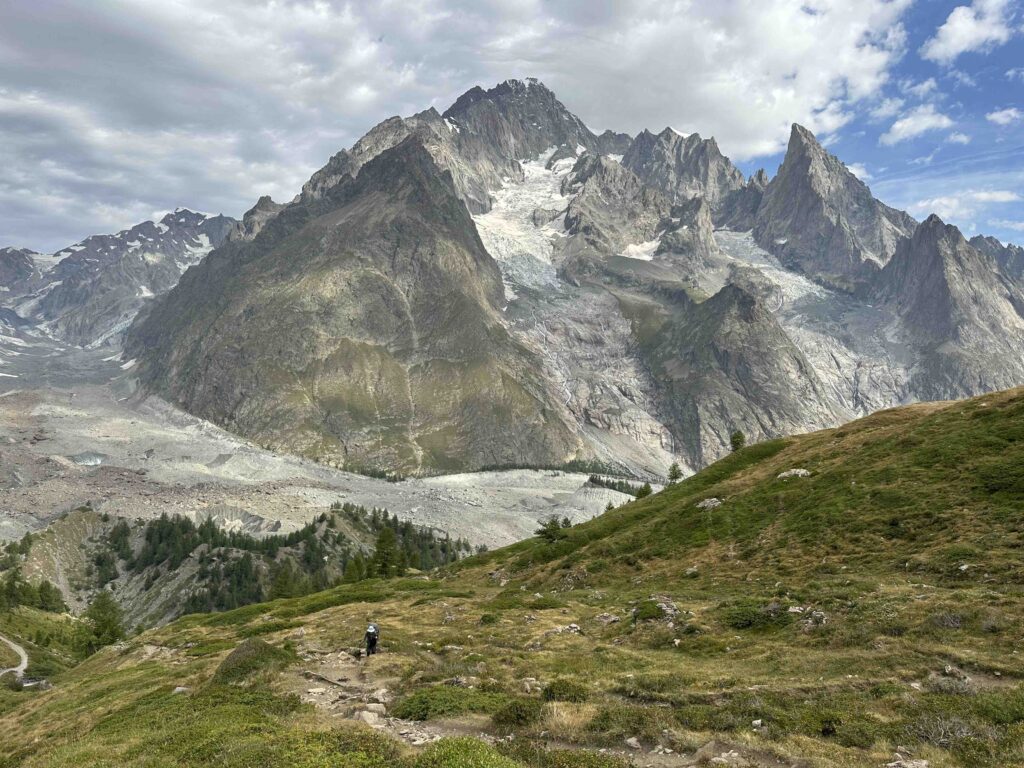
(887, 108)
(1017, 73)
(920, 90)
(1006, 116)
(919, 120)
(859, 170)
(1017, 226)
(980, 26)
(964, 205)
(958, 138)
(144, 105)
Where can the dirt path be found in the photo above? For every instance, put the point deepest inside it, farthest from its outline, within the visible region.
(338, 684)
(23, 657)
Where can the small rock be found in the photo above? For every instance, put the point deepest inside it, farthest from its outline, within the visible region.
(757, 723)
(711, 503)
(607, 618)
(381, 696)
(902, 762)
(793, 473)
(370, 718)
(377, 709)
(633, 743)
(316, 691)
(180, 689)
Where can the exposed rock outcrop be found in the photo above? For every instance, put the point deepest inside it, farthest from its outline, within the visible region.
(816, 216)
(1010, 257)
(964, 316)
(739, 210)
(683, 167)
(363, 328)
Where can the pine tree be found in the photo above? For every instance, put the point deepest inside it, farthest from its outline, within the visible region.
(644, 491)
(385, 555)
(737, 440)
(105, 623)
(675, 474)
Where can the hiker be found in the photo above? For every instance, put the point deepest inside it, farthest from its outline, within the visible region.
(372, 635)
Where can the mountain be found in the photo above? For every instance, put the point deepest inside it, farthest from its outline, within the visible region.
(163, 568)
(1010, 257)
(816, 216)
(682, 167)
(956, 306)
(657, 626)
(632, 308)
(739, 208)
(725, 364)
(88, 292)
(361, 327)
(17, 267)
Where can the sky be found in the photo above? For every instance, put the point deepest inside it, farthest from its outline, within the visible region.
(115, 111)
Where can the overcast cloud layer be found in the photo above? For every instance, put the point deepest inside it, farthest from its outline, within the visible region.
(112, 111)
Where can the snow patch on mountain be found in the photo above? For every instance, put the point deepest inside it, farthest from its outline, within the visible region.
(525, 251)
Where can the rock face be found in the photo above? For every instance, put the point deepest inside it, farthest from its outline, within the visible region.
(255, 218)
(17, 267)
(494, 284)
(959, 310)
(682, 167)
(739, 209)
(726, 364)
(90, 291)
(816, 216)
(1010, 257)
(610, 209)
(362, 327)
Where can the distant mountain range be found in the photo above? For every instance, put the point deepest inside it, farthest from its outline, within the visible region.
(498, 285)
(92, 290)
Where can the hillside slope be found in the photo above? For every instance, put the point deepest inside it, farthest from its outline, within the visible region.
(867, 604)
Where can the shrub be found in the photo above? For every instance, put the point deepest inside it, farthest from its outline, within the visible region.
(489, 618)
(11, 682)
(517, 714)
(648, 610)
(562, 689)
(748, 614)
(463, 753)
(445, 700)
(251, 656)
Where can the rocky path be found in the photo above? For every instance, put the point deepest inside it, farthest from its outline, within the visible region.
(22, 656)
(342, 686)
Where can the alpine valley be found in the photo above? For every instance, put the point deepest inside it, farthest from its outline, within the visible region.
(637, 461)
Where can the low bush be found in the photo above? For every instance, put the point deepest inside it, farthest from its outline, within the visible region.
(250, 657)
(463, 753)
(445, 701)
(562, 689)
(518, 713)
(750, 614)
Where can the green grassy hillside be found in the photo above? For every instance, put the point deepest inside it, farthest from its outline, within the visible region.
(833, 618)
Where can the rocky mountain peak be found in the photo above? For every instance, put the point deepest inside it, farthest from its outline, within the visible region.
(958, 307)
(682, 167)
(1010, 257)
(520, 119)
(818, 217)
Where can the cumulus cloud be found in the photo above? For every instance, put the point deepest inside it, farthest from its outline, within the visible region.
(887, 108)
(859, 170)
(958, 138)
(917, 121)
(139, 106)
(980, 26)
(963, 205)
(1004, 117)
(1017, 226)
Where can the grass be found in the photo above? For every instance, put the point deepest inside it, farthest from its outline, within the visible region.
(840, 611)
